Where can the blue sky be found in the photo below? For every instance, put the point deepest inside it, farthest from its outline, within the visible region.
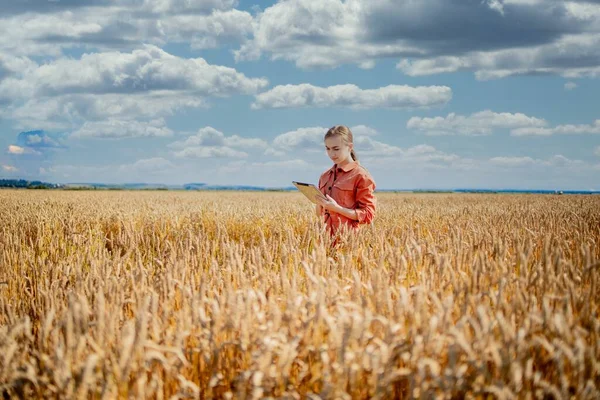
(439, 93)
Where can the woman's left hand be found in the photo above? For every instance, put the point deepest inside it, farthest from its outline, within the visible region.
(328, 203)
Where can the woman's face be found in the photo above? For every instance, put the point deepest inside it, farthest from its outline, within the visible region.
(337, 150)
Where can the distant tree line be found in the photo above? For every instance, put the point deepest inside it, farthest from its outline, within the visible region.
(24, 184)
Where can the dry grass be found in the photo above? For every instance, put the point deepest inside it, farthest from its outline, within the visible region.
(231, 295)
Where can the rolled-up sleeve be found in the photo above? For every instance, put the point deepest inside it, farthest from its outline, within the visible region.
(366, 202)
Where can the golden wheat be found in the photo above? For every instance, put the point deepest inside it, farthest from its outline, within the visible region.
(240, 295)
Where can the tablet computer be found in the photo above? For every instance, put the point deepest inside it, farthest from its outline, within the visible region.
(309, 190)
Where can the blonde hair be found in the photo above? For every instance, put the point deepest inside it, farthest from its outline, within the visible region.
(346, 134)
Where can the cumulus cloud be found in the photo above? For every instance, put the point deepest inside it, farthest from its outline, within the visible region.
(148, 165)
(557, 160)
(367, 146)
(209, 142)
(571, 56)
(210, 31)
(70, 111)
(286, 164)
(47, 27)
(512, 161)
(559, 129)
(117, 129)
(143, 70)
(145, 83)
(210, 152)
(363, 130)
(480, 123)
(18, 150)
(179, 6)
(209, 136)
(351, 96)
(9, 168)
(303, 138)
(423, 153)
(12, 149)
(311, 139)
(11, 65)
(570, 85)
(495, 38)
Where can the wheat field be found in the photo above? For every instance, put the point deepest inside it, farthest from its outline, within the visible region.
(172, 295)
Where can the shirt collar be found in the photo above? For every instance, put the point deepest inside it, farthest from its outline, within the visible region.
(346, 168)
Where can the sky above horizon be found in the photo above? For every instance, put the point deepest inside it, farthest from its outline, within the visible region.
(439, 94)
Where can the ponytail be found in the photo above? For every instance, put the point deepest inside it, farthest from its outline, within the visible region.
(353, 154)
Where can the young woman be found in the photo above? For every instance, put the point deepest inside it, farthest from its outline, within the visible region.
(347, 185)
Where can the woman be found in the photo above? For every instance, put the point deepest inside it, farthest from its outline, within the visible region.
(347, 185)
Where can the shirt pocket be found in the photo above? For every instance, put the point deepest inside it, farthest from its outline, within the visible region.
(345, 195)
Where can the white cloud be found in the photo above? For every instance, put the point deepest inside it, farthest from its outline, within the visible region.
(371, 149)
(496, 5)
(571, 56)
(512, 161)
(11, 65)
(143, 70)
(495, 38)
(363, 130)
(286, 164)
(209, 142)
(559, 129)
(70, 111)
(557, 160)
(311, 139)
(180, 6)
(120, 25)
(480, 123)
(570, 85)
(146, 83)
(117, 129)
(12, 149)
(44, 34)
(9, 168)
(18, 150)
(366, 146)
(351, 96)
(148, 165)
(209, 136)
(203, 32)
(302, 138)
(288, 30)
(210, 152)
(274, 152)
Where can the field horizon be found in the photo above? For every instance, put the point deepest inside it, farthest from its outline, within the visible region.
(200, 186)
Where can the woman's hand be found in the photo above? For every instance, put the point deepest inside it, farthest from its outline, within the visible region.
(329, 203)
